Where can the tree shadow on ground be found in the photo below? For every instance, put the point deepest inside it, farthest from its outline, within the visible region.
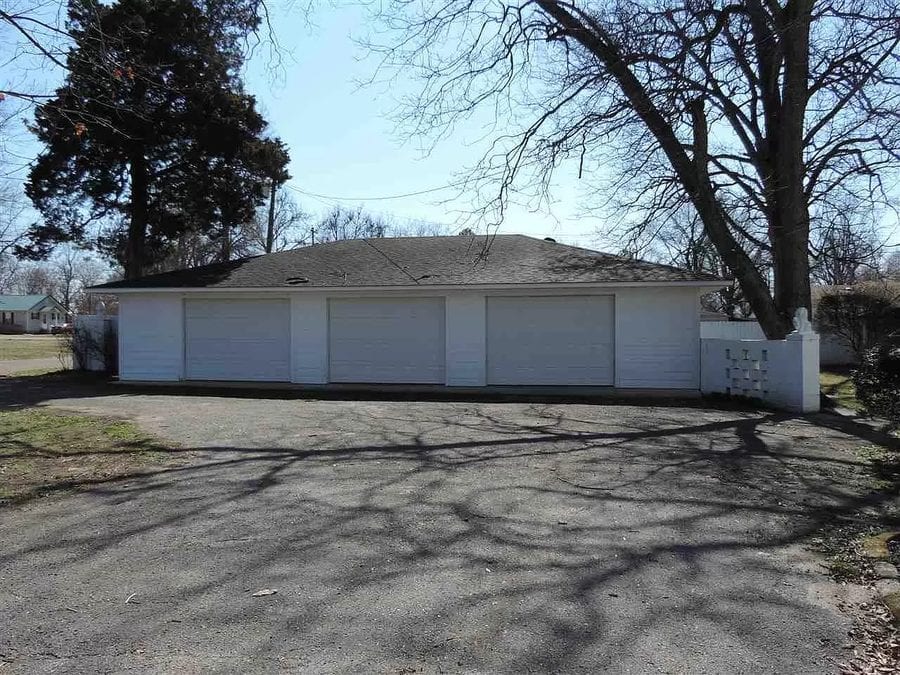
(484, 537)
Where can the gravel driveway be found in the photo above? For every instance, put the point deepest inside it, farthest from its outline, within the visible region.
(407, 537)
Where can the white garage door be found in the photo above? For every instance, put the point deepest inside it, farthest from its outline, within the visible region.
(565, 340)
(390, 340)
(237, 340)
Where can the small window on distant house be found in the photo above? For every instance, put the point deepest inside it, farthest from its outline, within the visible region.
(35, 315)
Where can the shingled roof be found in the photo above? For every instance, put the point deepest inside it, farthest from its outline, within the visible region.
(419, 261)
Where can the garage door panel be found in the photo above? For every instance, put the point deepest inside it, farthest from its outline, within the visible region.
(389, 340)
(562, 340)
(240, 340)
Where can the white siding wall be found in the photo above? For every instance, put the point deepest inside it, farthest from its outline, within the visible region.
(151, 337)
(309, 339)
(658, 338)
(466, 345)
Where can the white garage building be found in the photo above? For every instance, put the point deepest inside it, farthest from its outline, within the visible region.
(457, 311)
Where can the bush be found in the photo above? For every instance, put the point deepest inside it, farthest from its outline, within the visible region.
(877, 381)
(861, 316)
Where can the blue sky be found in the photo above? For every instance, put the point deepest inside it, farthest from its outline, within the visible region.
(344, 142)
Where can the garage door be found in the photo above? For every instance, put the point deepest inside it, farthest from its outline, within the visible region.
(237, 340)
(564, 340)
(391, 340)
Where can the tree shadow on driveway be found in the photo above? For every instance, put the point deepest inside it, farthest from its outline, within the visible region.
(442, 536)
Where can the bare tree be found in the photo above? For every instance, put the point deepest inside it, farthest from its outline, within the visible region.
(417, 228)
(35, 279)
(279, 226)
(763, 116)
(12, 199)
(343, 223)
(90, 271)
(9, 270)
(65, 266)
(684, 243)
(36, 38)
(847, 249)
(892, 266)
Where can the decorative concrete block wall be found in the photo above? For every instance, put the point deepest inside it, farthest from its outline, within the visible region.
(781, 373)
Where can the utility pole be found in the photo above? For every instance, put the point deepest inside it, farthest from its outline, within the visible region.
(312, 234)
(270, 230)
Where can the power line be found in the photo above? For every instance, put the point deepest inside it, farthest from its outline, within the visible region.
(376, 199)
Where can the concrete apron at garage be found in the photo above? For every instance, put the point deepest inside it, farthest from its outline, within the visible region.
(430, 390)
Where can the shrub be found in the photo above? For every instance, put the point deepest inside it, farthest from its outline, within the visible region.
(862, 315)
(877, 381)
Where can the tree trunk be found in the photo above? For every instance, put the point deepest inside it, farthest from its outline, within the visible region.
(789, 221)
(270, 229)
(135, 262)
(225, 254)
(789, 215)
(691, 172)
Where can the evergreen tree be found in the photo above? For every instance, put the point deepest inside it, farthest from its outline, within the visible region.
(151, 135)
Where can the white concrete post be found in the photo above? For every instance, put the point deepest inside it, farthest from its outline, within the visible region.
(803, 363)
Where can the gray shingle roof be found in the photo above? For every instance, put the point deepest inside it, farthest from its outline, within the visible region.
(419, 261)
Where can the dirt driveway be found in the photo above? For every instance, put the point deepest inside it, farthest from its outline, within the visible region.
(408, 537)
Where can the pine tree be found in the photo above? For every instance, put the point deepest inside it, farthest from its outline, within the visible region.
(151, 136)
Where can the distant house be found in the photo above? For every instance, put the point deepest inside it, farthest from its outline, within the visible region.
(30, 313)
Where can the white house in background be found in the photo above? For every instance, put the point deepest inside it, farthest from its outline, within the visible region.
(30, 313)
(456, 311)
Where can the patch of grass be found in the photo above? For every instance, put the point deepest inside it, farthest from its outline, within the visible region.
(44, 451)
(839, 387)
(840, 546)
(14, 348)
(845, 568)
(884, 465)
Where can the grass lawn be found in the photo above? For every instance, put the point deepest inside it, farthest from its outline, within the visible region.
(44, 451)
(839, 386)
(15, 347)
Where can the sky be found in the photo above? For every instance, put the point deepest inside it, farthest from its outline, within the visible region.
(345, 146)
(345, 143)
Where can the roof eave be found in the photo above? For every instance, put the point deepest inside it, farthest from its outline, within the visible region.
(699, 283)
(44, 299)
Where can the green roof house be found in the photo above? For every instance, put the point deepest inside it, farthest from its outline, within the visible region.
(30, 313)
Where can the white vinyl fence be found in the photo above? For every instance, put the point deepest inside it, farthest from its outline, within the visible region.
(732, 330)
(782, 373)
(832, 350)
(95, 343)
